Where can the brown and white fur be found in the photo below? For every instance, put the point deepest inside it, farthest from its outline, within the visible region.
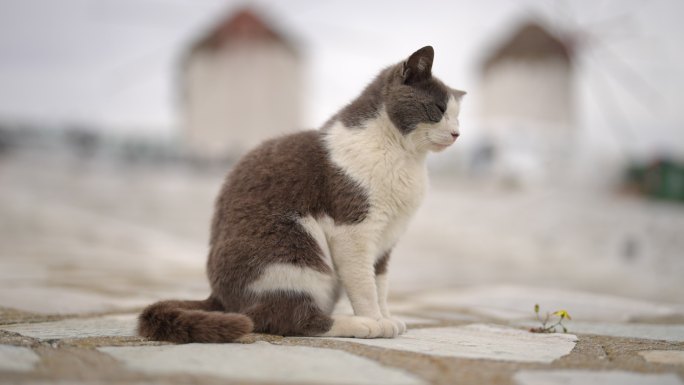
(304, 216)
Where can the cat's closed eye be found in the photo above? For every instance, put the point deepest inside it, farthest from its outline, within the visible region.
(441, 107)
(433, 112)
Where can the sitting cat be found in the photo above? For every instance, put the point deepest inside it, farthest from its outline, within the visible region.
(305, 215)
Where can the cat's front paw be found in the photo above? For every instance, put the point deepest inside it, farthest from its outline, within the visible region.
(401, 325)
(364, 327)
(390, 329)
(356, 327)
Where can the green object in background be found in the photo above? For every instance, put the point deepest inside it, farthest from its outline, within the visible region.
(661, 179)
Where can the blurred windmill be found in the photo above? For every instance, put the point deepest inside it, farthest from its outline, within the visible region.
(593, 44)
(530, 84)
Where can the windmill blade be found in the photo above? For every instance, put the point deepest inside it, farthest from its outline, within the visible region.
(604, 95)
(624, 21)
(587, 38)
(624, 73)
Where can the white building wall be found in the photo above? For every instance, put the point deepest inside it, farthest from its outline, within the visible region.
(240, 95)
(527, 114)
(539, 91)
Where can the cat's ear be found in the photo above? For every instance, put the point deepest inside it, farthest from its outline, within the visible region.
(419, 65)
(458, 94)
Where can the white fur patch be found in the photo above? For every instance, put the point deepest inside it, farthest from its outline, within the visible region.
(311, 225)
(286, 277)
(390, 166)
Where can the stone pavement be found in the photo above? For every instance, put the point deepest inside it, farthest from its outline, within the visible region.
(84, 247)
(476, 335)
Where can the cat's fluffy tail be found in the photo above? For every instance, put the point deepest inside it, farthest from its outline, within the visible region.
(192, 321)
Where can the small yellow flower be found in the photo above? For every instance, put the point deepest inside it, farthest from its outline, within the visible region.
(562, 314)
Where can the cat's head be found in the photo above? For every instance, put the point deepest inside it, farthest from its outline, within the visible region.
(421, 107)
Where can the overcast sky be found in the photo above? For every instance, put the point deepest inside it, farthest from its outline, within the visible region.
(113, 62)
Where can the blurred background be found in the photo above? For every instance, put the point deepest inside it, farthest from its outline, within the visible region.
(120, 118)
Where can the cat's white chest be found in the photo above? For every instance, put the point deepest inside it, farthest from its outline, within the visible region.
(394, 180)
(394, 198)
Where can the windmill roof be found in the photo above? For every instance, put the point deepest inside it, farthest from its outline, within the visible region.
(242, 25)
(530, 41)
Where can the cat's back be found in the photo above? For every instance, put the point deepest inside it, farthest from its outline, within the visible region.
(296, 154)
(287, 178)
(284, 171)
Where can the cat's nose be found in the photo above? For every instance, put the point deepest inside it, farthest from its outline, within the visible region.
(454, 135)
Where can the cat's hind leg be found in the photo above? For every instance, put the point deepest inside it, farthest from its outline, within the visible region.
(292, 300)
(344, 325)
(288, 314)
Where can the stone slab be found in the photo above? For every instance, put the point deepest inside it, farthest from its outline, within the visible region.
(445, 315)
(60, 300)
(17, 359)
(667, 357)
(261, 361)
(114, 326)
(412, 320)
(672, 333)
(479, 341)
(517, 302)
(343, 306)
(587, 377)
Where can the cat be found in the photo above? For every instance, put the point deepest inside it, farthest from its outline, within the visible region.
(304, 216)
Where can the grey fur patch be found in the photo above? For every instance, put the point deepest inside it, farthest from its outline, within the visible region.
(407, 90)
(366, 106)
(287, 314)
(256, 221)
(423, 102)
(381, 264)
(418, 67)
